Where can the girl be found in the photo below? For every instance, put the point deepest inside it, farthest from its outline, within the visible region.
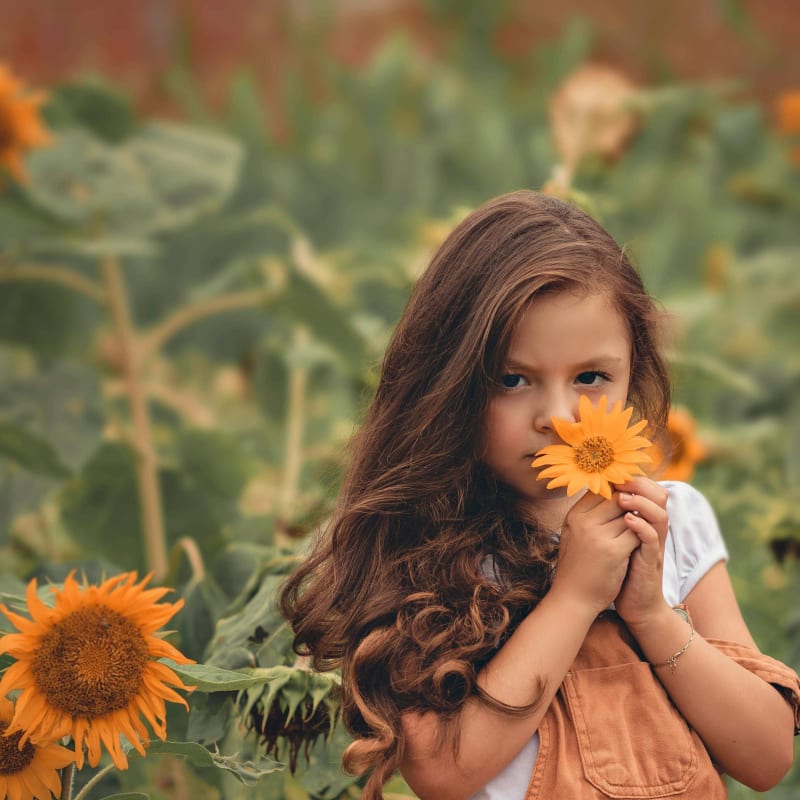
(468, 606)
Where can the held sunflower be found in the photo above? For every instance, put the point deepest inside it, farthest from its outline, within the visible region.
(600, 450)
(28, 771)
(86, 667)
(21, 128)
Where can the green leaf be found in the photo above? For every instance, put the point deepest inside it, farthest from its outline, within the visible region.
(30, 451)
(82, 180)
(50, 320)
(59, 405)
(207, 678)
(95, 104)
(204, 602)
(202, 488)
(246, 772)
(210, 716)
(324, 777)
(164, 176)
(127, 796)
(290, 686)
(190, 171)
(304, 302)
(247, 627)
(719, 370)
(100, 507)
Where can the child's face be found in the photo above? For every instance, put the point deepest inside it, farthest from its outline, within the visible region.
(567, 345)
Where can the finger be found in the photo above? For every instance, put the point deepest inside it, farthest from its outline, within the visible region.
(651, 547)
(646, 488)
(598, 509)
(642, 506)
(628, 541)
(588, 502)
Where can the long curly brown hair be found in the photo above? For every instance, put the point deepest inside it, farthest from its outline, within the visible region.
(426, 566)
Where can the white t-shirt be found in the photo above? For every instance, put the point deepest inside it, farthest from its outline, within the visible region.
(694, 544)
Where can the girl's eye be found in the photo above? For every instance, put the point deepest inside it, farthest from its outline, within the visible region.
(512, 381)
(592, 378)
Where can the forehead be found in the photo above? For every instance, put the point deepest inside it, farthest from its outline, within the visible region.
(570, 327)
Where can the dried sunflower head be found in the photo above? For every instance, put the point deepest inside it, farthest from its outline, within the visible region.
(290, 712)
(590, 114)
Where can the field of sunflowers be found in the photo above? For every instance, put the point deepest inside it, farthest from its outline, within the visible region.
(191, 318)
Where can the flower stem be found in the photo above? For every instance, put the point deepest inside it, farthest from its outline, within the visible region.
(91, 783)
(295, 423)
(190, 314)
(51, 274)
(146, 462)
(67, 778)
(193, 556)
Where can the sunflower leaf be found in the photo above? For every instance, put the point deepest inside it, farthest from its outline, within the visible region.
(206, 678)
(30, 451)
(127, 796)
(246, 772)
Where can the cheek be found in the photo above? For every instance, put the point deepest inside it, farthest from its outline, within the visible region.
(492, 426)
(501, 421)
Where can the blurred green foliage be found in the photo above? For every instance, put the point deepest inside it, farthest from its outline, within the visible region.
(263, 274)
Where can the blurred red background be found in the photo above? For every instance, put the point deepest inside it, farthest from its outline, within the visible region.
(133, 42)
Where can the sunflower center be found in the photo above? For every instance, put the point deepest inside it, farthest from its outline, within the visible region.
(12, 758)
(594, 454)
(91, 662)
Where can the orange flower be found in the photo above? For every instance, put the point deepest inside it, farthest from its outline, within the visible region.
(601, 449)
(788, 120)
(788, 109)
(28, 771)
(21, 128)
(685, 451)
(85, 666)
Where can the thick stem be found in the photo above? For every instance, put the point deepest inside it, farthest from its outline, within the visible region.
(295, 423)
(67, 778)
(146, 461)
(193, 556)
(190, 314)
(50, 274)
(93, 781)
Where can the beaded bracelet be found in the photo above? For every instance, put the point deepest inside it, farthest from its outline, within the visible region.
(672, 661)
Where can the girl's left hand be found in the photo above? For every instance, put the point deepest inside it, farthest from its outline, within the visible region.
(641, 596)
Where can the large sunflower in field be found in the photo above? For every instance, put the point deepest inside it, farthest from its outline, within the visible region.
(86, 667)
(30, 771)
(21, 128)
(600, 449)
(685, 451)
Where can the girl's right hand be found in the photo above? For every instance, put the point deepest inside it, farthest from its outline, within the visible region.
(594, 551)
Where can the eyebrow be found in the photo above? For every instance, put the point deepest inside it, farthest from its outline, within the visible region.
(594, 362)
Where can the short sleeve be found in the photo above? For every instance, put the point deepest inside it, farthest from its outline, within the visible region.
(694, 535)
(768, 669)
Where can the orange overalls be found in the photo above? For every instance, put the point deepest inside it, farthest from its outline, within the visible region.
(613, 732)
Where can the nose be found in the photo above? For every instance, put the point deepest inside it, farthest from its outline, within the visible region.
(555, 403)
